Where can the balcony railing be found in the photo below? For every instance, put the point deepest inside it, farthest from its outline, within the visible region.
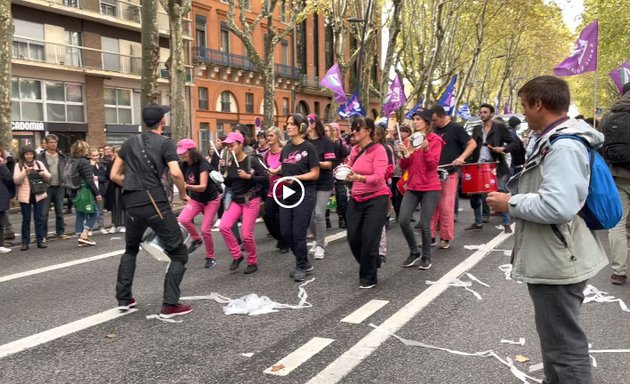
(288, 71)
(213, 56)
(163, 72)
(309, 81)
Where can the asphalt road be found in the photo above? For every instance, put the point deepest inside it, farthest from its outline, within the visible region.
(211, 347)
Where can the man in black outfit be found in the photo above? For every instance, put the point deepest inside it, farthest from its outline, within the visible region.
(138, 169)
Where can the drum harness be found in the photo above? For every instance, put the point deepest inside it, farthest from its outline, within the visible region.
(150, 164)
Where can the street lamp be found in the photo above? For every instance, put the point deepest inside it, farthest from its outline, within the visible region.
(365, 21)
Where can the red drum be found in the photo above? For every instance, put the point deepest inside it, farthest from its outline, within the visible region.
(479, 178)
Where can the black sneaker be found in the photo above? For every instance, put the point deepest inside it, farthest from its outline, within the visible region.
(236, 263)
(307, 271)
(367, 285)
(411, 260)
(284, 250)
(380, 261)
(125, 307)
(251, 269)
(210, 263)
(425, 264)
(474, 227)
(194, 245)
(433, 242)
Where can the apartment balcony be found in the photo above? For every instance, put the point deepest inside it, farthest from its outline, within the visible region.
(288, 71)
(213, 56)
(119, 13)
(163, 72)
(309, 81)
(83, 59)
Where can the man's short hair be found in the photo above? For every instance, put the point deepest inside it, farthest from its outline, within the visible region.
(438, 110)
(551, 91)
(486, 105)
(50, 137)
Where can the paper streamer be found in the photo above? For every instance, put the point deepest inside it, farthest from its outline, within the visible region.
(457, 283)
(254, 305)
(522, 376)
(593, 294)
(157, 317)
(507, 271)
(521, 341)
(473, 278)
(486, 248)
(535, 367)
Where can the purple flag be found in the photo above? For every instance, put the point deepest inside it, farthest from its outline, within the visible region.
(333, 81)
(621, 75)
(447, 100)
(584, 56)
(506, 108)
(351, 108)
(395, 97)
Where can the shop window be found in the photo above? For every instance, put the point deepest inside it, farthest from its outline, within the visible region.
(118, 109)
(39, 100)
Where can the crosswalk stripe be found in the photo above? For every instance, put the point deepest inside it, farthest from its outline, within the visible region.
(298, 357)
(367, 310)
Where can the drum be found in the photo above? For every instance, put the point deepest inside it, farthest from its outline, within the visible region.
(416, 139)
(479, 178)
(152, 244)
(341, 172)
(401, 184)
(216, 177)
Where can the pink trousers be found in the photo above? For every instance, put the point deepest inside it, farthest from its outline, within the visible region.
(249, 213)
(209, 210)
(444, 214)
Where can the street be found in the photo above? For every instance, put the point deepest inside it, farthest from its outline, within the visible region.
(330, 342)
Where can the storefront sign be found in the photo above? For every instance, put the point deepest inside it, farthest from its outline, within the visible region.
(27, 126)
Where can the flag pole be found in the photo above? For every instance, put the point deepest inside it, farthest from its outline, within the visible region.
(595, 101)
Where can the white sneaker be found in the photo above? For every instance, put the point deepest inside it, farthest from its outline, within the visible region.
(122, 229)
(90, 233)
(104, 231)
(216, 223)
(260, 220)
(319, 253)
(112, 229)
(5, 250)
(312, 246)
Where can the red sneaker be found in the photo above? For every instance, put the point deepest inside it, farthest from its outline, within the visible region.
(169, 311)
(128, 306)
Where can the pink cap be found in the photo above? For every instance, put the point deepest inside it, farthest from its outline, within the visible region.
(232, 137)
(184, 145)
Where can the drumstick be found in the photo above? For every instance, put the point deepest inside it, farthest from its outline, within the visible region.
(445, 165)
(263, 164)
(233, 155)
(214, 148)
(399, 135)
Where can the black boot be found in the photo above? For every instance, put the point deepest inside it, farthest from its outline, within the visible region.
(342, 223)
(328, 225)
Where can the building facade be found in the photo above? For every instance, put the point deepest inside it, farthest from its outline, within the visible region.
(76, 70)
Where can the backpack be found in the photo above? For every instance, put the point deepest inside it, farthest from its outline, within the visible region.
(602, 209)
(616, 130)
(71, 178)
(518, 155)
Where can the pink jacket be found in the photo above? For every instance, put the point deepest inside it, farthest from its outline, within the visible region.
(423, 165)
(373, 165)
(23, 192)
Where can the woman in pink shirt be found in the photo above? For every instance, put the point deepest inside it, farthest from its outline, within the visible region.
(423, 187)
(271, 158)
(367, 208)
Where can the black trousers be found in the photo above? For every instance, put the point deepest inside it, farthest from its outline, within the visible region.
(396, 196)
(294, 224)
(167, 228)
(341, 194)
(563, 343)
(271, 216)
(365, 224)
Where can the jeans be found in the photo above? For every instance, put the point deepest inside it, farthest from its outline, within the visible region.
(480, 206)
(36, 208)
(563, 343)
(365, 224)
(617, 236)
(248, 214)
(428, 201)
(138, 219)
(294, 225)
(445, 211)
(88, 218)
(209, 210)
(318, 219)
(100, 213)
(341, 193)
(55, 196)
(272, 220)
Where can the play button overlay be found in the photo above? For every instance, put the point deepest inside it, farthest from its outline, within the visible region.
(289, 198)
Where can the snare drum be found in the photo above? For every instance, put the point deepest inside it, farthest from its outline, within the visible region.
(341, 172)
(152, 244)
(217, 177)
(479, 178)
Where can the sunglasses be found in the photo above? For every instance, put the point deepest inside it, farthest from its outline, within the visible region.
(356, 128)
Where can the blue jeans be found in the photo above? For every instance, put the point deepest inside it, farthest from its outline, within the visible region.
(36, 207)
(88, 218)
(480, 207)
(55, 196)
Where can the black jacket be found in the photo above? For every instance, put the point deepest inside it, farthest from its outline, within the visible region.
(6, 183)
(499, 136)
(62, 162)
(86, 171)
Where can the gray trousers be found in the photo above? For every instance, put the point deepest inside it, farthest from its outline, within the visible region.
(318, 220)
(562, 341)
(411, 199)
(617, 235)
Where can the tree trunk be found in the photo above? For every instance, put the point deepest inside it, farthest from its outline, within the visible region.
(394, 31)
(150, 52)
(6, 49)
(269, 78)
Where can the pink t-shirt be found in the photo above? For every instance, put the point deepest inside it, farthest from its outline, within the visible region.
(372, 164)
(273, 161)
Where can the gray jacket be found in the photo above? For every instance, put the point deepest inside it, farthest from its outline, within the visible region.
(552, 244)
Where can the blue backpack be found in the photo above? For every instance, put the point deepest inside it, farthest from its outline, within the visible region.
(602, 209)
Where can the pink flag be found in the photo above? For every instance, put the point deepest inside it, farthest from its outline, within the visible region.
(333, 81)
(621, 75)
(395, 97)
(584, 56)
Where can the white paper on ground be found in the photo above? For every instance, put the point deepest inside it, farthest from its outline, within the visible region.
(593, 294)
(252, 304)
(473, 278)
(521, 341)
(157, 317)
(247, 354)
(486, 248)
(535, 367)
(457, 283)
(522, 376)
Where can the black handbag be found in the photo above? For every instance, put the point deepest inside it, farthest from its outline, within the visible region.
(36, 181)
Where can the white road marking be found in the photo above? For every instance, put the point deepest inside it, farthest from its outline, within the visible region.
(298, 357)
(64, 330)
(60, 266)
(367, 310)
(336, 236)
(341, 367)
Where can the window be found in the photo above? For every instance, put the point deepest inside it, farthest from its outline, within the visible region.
(284, 52)
(118, 106)
(38, 100)
(200, 32)
(71, 3)
(301, 46)
(225, 38)
(302, 108)
(225, 101)
(283, 11)
(249, 102)
(108, 7)
(203, 98)
(204, 137)
(285, 106)
(317, 110)
(73, 52)
(111, 60)
(28, 40)
(329, 44)
(316, 43)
